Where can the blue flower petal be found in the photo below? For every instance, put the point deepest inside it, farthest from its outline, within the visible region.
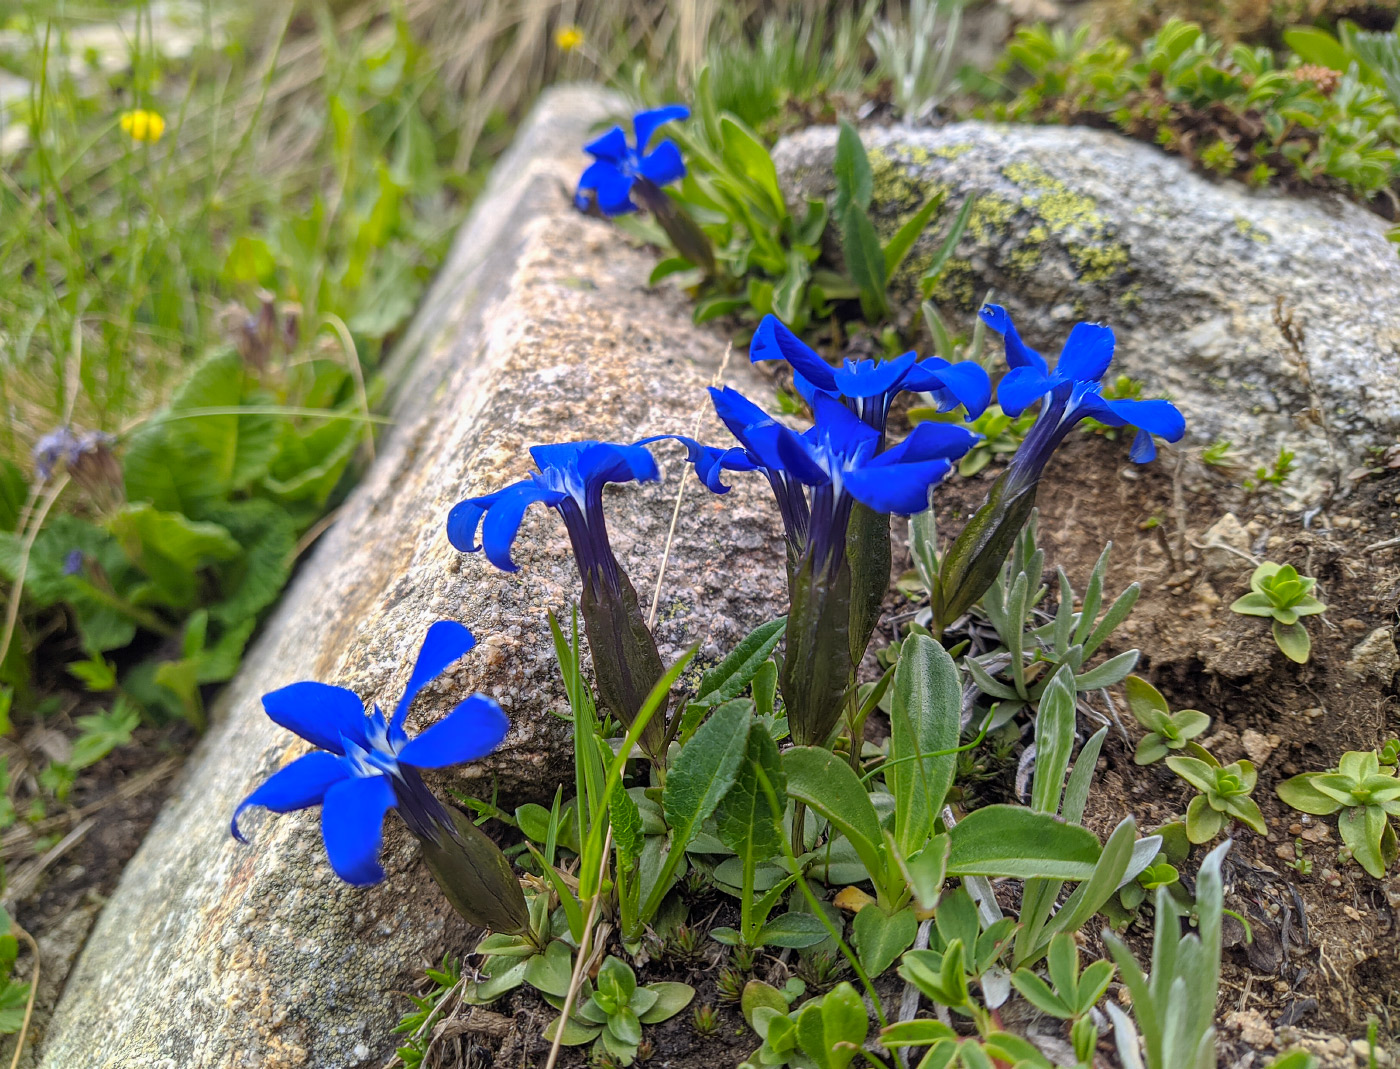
(561, 455)
(846, 433)
(928, 441)
(1159, 417)
(319, 713)
(773, 341)
(352, 825)
(588, 182)
(1022, 387)
(1018, 353)
(614, 192)
(898, 488)
(644, 123)
(465, 518)
(1087, 353)
(755, 429)
(608, 462)
(298, 785)
(804, 389)
(709, 461)
(798, 456)
(964, 383)
(612, 146)
(445, 642)
(1144, 449)
(503, 518)
(471, 731)
(663, 165)
(865, 378)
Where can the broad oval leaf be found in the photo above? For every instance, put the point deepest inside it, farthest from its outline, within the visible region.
(1007, 840)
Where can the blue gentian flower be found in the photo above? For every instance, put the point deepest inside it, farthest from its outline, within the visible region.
(617, 165)
(73, 562)
(1071, 392)
(570, 481)
(819, 474)
(869, 388)
(366, 765)
(571, 478)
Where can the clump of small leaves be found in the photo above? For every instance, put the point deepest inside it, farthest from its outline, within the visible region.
(1219, 454)
(729, 984)
(616, 1007)
(1278, 591)
(1225, 795)
(1364, 795)
(1275, 474)
(704, 1020)
(820, 969)
(416, 1023)
(1166, 730)
(1070, 995)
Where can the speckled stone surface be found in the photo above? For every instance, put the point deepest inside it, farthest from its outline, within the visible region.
(1082, 224)
(541, 328)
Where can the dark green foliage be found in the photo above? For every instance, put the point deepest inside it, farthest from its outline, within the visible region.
(1236, 111)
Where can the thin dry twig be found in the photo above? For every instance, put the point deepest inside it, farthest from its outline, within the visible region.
(680, 495)
(25, 879)
(33, 990)
(581, 964)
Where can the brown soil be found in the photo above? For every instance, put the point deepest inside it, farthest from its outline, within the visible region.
(1325, 953)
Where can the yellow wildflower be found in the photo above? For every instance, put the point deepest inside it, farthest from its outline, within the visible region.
(143, 125)
(568, 38)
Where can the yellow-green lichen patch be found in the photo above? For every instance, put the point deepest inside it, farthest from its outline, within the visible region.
(1132, 296)
(1249, 230)
(1061, 210)
(991, 218)
(958, 286)
(952, 152)
(890, 184)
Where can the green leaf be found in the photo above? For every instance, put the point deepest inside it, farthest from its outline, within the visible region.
(795, 930)
(574, 1034)
(1253, 605)
(825, 782)
(1195, 772)
(1151, 748)
(855, 182)
(551, 971)
(241, 446)
(744, 820)
(626, 819)
(1300, 793)
(1037, 992)
(671, 998)
(252, 581)
(703, 772)
(729, 678)
(745, 153)
(1362, 828)
(904, 238)
(880, 937)
(1054, 741)
(1317, 46)
(832, 1030)
(170, 548)
(1293, 640)
(927, 870)
(758, 995)
(102, 733)
(865, 261)
(1005, 840)
(928, 282)
(925, 718)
